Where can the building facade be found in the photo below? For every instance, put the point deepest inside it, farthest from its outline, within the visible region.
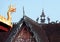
(28, 30)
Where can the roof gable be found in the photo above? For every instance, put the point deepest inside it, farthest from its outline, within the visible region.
(34, 26)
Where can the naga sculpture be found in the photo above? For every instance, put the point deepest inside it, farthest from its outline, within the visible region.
(8, 20)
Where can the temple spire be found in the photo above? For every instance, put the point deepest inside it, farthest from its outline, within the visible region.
(42, 17)
(23, 12)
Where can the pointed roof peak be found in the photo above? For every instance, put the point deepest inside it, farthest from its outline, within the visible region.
(43, 14)
(42, 9)
(23, 12)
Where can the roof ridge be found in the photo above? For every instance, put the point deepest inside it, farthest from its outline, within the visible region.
(26, 17)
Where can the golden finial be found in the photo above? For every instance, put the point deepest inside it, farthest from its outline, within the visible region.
(11, 9)
(8, 20)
